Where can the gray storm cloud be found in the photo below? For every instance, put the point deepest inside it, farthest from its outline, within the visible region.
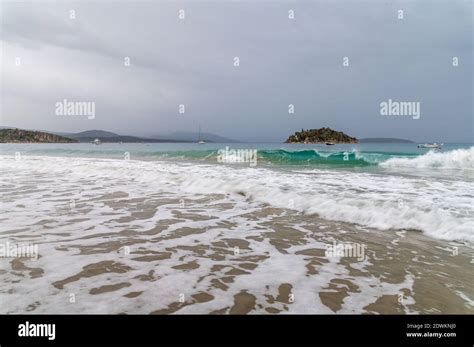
(282, 61)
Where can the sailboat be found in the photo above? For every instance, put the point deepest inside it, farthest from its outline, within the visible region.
(200, 141)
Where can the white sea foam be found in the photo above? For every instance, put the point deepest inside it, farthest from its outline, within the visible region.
(456, 159)
(441, 208)
(35, 208)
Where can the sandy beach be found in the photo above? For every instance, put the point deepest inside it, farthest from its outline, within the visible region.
(126, 242)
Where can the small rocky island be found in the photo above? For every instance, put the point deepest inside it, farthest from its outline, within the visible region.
(322, 135)
(28, 136)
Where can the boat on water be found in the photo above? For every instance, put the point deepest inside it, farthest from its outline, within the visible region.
(200, 141)
(431, 145)
(330, 143)
(97, 142)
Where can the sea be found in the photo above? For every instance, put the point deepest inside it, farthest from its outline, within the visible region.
(237, 228)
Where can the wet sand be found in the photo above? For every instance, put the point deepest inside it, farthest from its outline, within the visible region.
(116, 251)
(210, 266)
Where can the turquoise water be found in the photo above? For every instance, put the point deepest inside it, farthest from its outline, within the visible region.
(347, 155)
(82, 203)
(384, 186)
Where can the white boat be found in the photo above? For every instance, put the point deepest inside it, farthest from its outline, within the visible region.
(200, 141)
(97, 142)
(430, 145)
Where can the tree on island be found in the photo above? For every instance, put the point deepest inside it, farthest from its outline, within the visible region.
(321, 135)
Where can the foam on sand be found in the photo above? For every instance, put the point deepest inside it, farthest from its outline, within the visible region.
(439, 207)
(181, 223)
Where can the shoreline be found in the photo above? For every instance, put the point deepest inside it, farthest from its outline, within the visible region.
(397, 275)
(131, 237)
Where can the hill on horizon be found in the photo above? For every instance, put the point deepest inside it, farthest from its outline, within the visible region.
(14, 135)
(108, 136)
(93, 133)
(193, 137)
(320, 135)
(84, 136)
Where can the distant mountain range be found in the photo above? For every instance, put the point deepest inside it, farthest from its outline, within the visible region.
(28, 136)
(108, 136)
(193, 137)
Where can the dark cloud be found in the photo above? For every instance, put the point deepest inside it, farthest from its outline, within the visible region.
(282, 62)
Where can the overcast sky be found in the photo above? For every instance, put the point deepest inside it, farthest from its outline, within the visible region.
(282, 62)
